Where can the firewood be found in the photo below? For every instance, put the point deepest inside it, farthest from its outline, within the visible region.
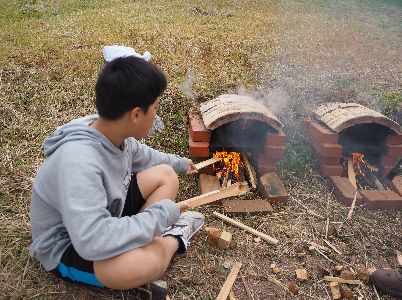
(250, 171)
(352, 207)
(364, 274)
(237, 189)
(263, 236)
(207, 162)
(301, 274)
(293, 288)
(340, 280)
(335, 290)
(346, 292)
(224, 240)
(347, 274)
(213, 235)
(227, 286)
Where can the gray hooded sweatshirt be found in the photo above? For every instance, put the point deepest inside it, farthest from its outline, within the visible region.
(79, 193)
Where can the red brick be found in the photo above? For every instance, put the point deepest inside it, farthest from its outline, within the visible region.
(327, 160)
(198, 131)
(388, 160)
(331, 170)
(394, 139)
(274, 151)
(198, 149)
(344, 190)
(376, 199)
(271, 187)
(208, 183)
(322, 133)
(396, 184)
(246, 206)
(262, 169)
(328, 150)
(275, 139)
(394, 150)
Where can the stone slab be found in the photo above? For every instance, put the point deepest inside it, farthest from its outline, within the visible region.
(238, 207)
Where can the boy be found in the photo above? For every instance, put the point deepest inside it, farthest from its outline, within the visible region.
(102, 207)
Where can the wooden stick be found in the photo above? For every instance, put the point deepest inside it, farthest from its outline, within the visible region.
(250, 171)
(351, 173)
(319, 246)
(263, 236)
(326, 227)
(340, 280)
(352, 207)
(207, 162)
(333, 247)
(249, 296)
(237, 189)
(227, 286)
(278, 283)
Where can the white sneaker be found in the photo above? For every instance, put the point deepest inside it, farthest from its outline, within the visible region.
(188, 224)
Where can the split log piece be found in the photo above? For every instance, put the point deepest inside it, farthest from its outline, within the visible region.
(213, 235)
(250, 171)
(224, 240)
(335, 290)
(263, 236)
(347, 274)
(237, 189)
(340, 280)
(301, 274)
(207, 162)
(227, 286)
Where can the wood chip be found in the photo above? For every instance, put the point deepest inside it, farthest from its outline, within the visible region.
(338, 269)
(364, 274)
(335, 290)
(276, 270)
(320, 247)
(347, 274)
(293, 288)
(323, 271)
(301, 274)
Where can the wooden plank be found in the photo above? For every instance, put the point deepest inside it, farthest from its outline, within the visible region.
(227, 286)
(263, 236)
(340, 280)
(237, 189)
(351, 173)
(207, 162)
(252, 207)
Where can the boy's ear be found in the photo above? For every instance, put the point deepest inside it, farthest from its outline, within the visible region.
(135, 114)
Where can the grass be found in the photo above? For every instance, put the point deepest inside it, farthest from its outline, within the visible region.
(50, 57)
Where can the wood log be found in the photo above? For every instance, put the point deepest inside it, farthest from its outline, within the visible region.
(340, 280)
(237, 189)
(263, 236)
(227, 286)
(250, 171)
(224, 240)
(207, 162)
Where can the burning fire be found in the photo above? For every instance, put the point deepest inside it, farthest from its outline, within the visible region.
(231, 162)
(358, 161)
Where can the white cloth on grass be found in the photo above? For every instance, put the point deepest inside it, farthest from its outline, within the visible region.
(115, 51)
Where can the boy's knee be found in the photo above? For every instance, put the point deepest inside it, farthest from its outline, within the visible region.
(169, 174)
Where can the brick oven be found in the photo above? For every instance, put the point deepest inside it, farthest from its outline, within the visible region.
(240, 124)
(360, 150)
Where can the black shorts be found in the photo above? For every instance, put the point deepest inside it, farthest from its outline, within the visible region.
(73, 267)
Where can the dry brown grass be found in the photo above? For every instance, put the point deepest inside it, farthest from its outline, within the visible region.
(50, 56)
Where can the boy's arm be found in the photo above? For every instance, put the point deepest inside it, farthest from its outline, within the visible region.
(95, 234)
(145, 157)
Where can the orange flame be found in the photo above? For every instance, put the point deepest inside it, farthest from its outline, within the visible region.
(231, 162)
(358, 161)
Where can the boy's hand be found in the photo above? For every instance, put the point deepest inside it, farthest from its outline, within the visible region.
(183, 206)
(192, 169)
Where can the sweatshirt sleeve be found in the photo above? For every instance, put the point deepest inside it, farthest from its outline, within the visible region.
(94, 233)
(145, 157)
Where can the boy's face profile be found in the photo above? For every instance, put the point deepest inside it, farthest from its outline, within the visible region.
(143, 121)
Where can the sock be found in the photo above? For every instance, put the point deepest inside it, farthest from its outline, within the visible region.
(182, 247)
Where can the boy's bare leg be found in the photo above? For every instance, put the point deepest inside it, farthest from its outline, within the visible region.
(137, 267)
(157, 183)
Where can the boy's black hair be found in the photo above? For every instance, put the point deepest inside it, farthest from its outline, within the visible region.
(126, 83)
